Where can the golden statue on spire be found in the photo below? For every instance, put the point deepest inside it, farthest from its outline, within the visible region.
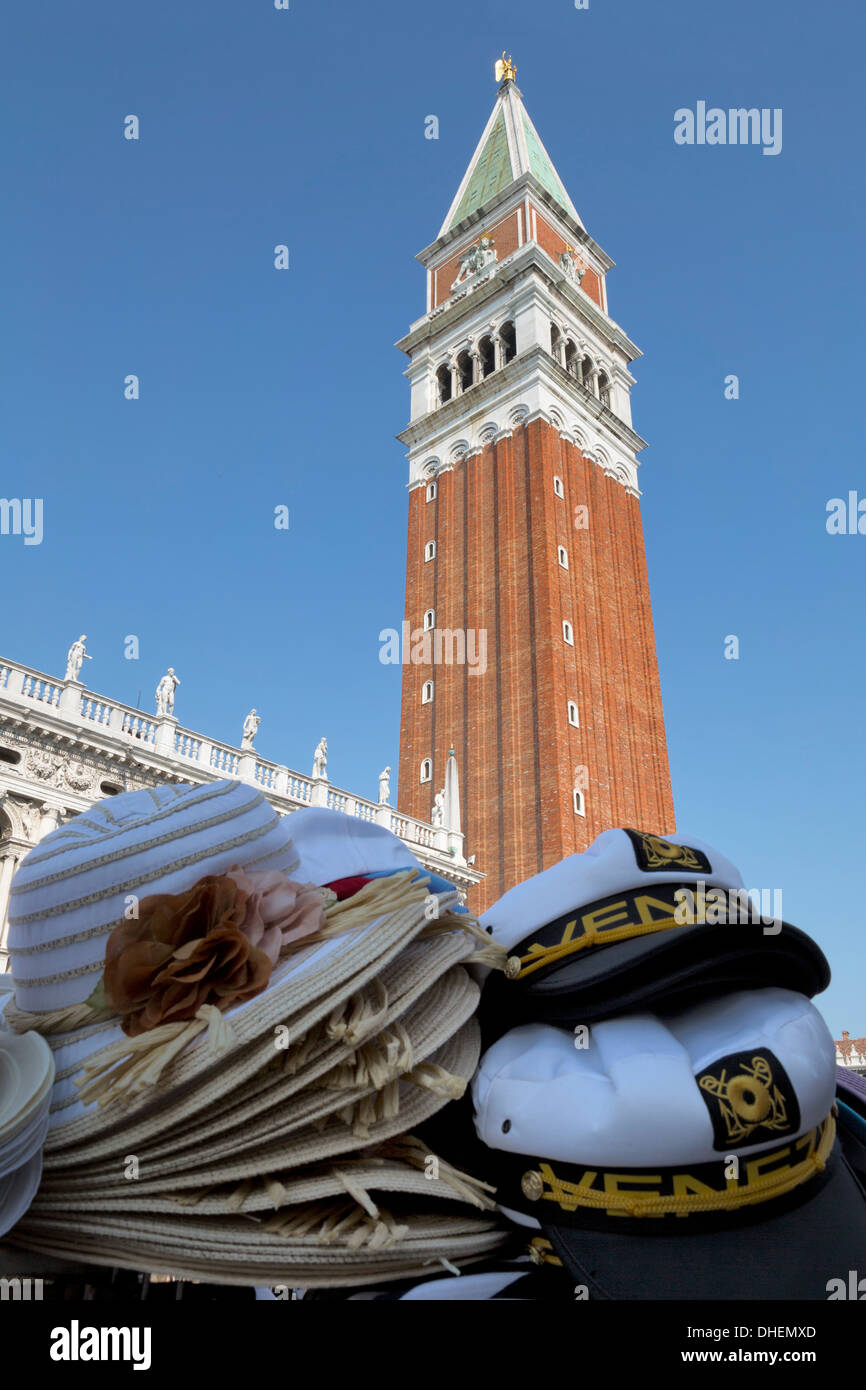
(505, 70)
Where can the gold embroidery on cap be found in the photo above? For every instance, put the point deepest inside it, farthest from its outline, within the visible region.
(532, 1186)
(540, 1252)
(748, 1100)
(661, 853)
(673, 1193)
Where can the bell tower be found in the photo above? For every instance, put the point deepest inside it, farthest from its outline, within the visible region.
(528, 633)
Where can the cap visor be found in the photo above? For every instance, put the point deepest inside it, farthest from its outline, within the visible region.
(669, 968)
(793, 1255)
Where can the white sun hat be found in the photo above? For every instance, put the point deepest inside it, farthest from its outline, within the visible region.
(400, 1009)
(75, 886)
(332, 846)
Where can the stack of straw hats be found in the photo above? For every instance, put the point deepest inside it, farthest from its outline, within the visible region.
(249, 1016)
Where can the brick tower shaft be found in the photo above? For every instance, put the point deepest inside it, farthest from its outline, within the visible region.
(531, 647)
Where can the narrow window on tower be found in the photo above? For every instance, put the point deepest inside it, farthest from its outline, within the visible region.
(572, 714)
(558, 488)
(464, 370)
(430, 551)
(604, 389)
(427, 692)
(563, 556)
(443, 379)
(571, 358)
(427, 770)
(579, 803)
(486, 355)
(509, 342)
(567, 633)
(431, 492)
(429, 620)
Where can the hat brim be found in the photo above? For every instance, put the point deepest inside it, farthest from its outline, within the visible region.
(853, 1088)
(340, 1179)
(792, 1255)
(240, 1251)
(665, 970)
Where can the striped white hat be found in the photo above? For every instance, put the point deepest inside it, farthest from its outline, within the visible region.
(73, 889)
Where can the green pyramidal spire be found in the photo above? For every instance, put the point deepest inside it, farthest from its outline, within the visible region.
(509, 147)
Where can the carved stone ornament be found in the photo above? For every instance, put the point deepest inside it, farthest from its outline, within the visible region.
(77, 776)
(31, 818)
(573, 266)
(479, 256)
(43, 765)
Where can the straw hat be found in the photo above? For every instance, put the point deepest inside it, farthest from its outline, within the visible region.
(240, 1251)
(424, 1031)
(404, 1165)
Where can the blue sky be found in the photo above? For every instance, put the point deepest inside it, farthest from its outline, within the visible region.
(258, 388)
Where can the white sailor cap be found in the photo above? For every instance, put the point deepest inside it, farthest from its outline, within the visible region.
(677, 1155)
(636, 920)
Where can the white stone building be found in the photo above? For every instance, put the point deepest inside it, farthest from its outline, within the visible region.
(851, 1052)
(62, 748)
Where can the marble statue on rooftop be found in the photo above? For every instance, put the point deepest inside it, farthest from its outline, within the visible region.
(320, 759)
(74, 657)
(251, 728)
(165, 692)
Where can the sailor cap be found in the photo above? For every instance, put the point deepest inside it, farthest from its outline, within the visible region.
(677, 1155)
(636, 920)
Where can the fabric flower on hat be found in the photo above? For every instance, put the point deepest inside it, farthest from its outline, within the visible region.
(217, 943)
(288, 911)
